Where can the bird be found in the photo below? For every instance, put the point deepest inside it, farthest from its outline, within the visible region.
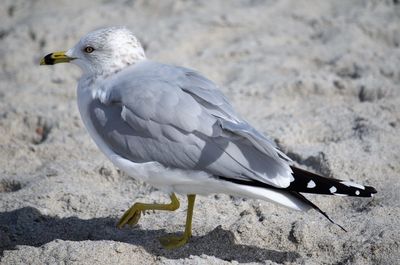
(173, 128)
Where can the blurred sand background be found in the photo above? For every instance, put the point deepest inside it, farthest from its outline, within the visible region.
(322, 78)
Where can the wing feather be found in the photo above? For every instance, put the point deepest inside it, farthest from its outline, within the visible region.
(180, 119)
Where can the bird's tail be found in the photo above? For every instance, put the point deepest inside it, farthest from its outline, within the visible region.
(308, 182)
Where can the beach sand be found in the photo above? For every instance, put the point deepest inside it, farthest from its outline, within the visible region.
(321, 78)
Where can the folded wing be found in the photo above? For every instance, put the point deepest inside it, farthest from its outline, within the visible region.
(156, 112)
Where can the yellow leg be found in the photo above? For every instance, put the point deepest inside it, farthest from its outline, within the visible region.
(171, 242)
(132, 215)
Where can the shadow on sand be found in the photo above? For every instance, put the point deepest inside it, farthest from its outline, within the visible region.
(27, 226)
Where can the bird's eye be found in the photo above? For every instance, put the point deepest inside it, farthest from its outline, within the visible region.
(89, 49)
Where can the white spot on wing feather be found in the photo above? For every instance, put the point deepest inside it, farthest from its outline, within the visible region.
(333, 189)
(311, 184)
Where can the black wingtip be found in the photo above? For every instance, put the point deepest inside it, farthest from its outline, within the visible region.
(371, 190)
(327, 217)
(308, 182)
(304, 199)
(341, 227)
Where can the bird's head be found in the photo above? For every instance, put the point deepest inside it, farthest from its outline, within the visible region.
(101, 52)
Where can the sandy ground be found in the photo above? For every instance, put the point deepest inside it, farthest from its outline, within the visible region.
(322, 79)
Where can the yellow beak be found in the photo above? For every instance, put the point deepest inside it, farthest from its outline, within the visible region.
(55, 57)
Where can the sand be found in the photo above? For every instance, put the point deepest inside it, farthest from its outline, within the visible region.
(321, 78)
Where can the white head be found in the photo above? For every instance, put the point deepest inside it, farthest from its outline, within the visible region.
(102, 52)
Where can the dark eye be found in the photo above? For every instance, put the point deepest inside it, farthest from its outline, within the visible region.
(89, 49)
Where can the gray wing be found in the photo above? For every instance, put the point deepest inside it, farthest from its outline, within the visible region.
(156, 112)
(206, 93)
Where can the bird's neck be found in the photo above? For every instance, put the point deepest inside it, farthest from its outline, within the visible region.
(118, 65)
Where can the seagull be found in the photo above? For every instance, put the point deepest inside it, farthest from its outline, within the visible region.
(171, 127)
